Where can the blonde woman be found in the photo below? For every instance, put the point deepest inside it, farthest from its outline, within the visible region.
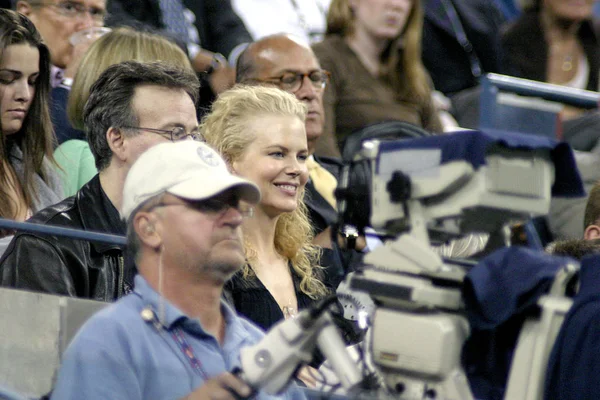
(122, 44)
(260, 133)
(372, 49)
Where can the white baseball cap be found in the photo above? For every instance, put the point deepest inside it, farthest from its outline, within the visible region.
(187, 169)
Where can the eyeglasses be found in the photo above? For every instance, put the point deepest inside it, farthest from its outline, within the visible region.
(213, 207)
(176, 134)
(292, 81)
(71, 9)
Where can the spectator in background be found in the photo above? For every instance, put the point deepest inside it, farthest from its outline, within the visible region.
(555, 42)
(373, 50)
(28, 177)
(131, 107)
(466, 36)
(305, 19)
(284, 61)
(122, 44)
(210, 30)
(59, 21)
(573, 364)
(173, 337)
(591, 219)
(580, 246)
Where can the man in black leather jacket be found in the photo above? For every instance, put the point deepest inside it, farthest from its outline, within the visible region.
(131, 107)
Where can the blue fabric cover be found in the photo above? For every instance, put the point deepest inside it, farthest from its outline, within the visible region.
(507, 282)
(574, 366)
(473, 145)
(499, 293)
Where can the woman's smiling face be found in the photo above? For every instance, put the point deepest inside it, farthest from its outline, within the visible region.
(276, 161)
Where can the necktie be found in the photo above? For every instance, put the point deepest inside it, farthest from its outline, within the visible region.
(323, 180)
(173, 16)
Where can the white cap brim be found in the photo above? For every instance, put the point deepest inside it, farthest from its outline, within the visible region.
(201, 188)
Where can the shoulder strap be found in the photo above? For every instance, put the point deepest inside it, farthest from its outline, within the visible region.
(462, 38)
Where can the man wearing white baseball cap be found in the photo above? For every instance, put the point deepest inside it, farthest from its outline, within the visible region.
(173, 337)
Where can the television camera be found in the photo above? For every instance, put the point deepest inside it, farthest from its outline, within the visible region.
(415, 193)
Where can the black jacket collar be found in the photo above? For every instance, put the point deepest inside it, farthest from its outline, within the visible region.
(98, 214)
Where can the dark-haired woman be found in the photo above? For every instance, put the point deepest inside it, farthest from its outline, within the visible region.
(28, 176)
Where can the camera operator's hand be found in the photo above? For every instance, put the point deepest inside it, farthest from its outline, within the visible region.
(222, 387)
(307, 375)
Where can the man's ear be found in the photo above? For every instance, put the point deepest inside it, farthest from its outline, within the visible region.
(145, 227)
(24, 8)
(116, 142)
(592, 232)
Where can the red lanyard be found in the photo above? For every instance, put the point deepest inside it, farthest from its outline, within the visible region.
(187, 351)
(149, 315)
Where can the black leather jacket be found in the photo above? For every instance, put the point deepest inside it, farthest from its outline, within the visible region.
(69, 267)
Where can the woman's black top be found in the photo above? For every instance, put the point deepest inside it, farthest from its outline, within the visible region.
(252, 299)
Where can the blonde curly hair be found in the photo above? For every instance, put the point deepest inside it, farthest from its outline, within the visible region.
(226, 130)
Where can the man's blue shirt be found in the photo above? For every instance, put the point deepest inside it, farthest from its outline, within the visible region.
(119, 355)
